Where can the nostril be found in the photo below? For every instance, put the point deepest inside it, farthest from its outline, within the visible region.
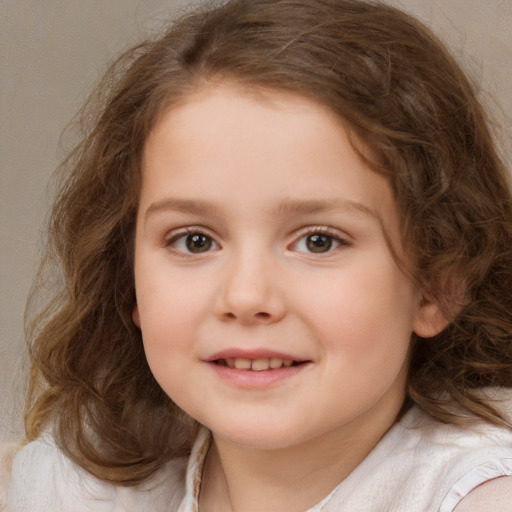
(263, 315)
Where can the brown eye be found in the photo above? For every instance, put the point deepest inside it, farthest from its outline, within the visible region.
(318, 243)
(193, 242)
(197, 243)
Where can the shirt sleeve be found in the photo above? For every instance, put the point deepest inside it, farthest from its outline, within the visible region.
(43, 479)
(495, 495)
(7, 453)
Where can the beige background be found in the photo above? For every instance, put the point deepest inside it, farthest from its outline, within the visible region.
(52, 52)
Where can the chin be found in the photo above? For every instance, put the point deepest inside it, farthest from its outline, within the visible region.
(260, 436)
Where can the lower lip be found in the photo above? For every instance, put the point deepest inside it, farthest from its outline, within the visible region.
(250, 379)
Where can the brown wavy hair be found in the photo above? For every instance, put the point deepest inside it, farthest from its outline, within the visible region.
(398, 89)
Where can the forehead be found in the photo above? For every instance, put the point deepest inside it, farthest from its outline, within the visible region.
(245, 111)
(242, 149)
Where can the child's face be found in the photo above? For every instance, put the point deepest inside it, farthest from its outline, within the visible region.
(260, 240)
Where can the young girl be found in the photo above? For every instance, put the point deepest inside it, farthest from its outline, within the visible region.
(286, 244)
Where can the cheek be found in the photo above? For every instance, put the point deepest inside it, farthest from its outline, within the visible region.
(167, 326)
(168, 295)
(170, 310)
(363, 312)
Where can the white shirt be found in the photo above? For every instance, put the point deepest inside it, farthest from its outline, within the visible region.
(420, 465)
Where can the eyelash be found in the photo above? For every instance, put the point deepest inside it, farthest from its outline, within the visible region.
(331, 234)
(183, 234)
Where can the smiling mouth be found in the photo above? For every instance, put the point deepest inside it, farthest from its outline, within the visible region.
(257, 365)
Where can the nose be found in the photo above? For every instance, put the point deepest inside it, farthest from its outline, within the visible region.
(250, 293)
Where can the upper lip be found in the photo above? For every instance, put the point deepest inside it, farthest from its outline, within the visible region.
(262, 353)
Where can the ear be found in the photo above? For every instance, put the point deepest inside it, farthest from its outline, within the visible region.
(429, 319)
(136, 316)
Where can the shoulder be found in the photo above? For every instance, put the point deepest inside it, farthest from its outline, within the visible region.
(43, 479)
(475, 461)
(7, 453)
(422, 464)
(495, 495)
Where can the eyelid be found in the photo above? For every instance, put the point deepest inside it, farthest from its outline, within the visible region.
(177, 233)
(340, 236)
(336, 233)
(188, 230)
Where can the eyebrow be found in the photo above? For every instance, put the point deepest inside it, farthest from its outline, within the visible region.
(287, 206)
(194, 206)
(311, 206)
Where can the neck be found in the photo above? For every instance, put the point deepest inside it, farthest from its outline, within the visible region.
(291, 479)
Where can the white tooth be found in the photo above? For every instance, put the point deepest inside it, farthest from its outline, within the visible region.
(276, 362)
(230, 362)
(259, 365)
(242, 364)
(287, 362)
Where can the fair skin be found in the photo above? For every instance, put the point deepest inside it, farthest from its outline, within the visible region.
(260, 243)
(495, 495)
